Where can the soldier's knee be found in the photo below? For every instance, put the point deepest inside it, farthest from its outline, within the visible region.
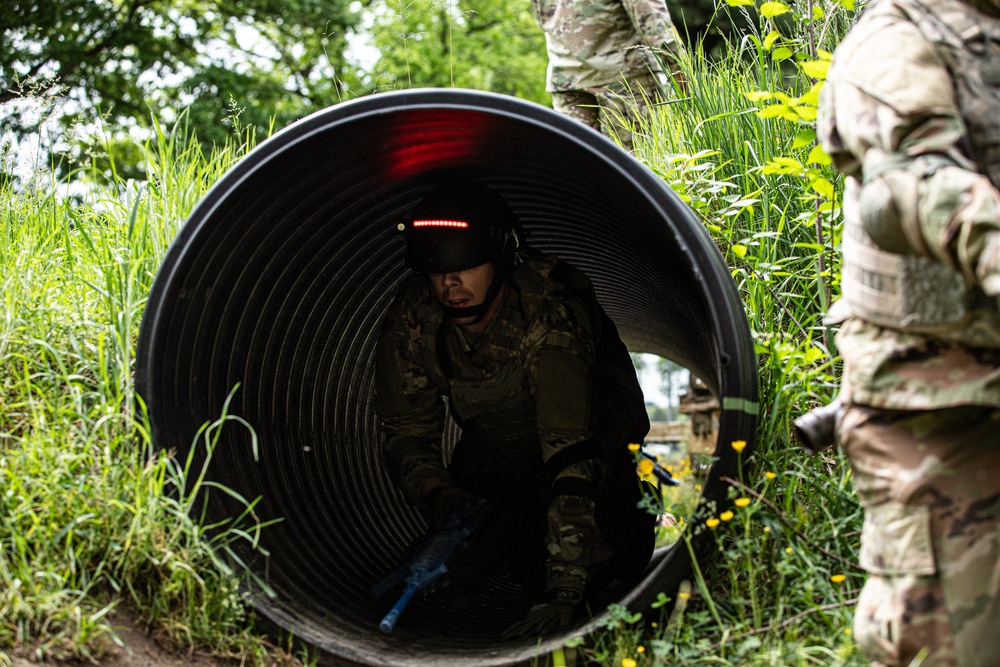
(579, 105)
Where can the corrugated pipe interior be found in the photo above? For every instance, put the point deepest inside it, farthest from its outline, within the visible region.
(272, 297)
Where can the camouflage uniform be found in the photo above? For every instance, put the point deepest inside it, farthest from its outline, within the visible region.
(909, 114)
(604, 57)
(547, 400)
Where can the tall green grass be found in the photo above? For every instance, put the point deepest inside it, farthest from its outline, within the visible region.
(780, 585)
(93, 518)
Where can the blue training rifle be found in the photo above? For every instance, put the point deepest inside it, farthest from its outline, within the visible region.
(431, 560)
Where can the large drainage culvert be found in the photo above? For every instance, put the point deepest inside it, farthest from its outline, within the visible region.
(279, 281)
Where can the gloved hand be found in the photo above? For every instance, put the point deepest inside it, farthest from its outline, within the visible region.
(552, 615)
(443, 500)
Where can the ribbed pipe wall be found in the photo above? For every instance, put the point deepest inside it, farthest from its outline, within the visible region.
(277, 285)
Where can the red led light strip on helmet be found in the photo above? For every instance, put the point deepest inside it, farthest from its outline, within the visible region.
(441, 223)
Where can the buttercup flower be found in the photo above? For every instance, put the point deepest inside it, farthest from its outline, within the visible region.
(741, 502)
(770, 475)
(634, 446)
(685, 596)
(838, 578)
(640, 649)
(739, 445)
(726, 516)
(646, 467)
(628, 662)
(788, 550)
(712, 523)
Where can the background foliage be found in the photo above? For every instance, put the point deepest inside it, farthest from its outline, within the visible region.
(92, 521)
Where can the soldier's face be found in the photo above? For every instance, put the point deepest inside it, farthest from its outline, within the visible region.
(461, 289)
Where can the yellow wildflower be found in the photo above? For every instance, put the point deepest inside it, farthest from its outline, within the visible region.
(739, 445)
(628, 662)
(646, 467)
(726, 516)
(712, 523)
(838, 578)
(788, 550)
(767, 529)
(684, 596)
(634, 447)
(847, 631)
(640, 649)
(741, 502)
(770, 475)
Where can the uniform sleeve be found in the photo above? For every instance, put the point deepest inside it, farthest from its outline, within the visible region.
(560, 360)
(651, 20)
(410, 408)
(888, 111)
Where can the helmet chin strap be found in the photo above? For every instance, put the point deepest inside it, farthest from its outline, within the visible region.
(479, 310)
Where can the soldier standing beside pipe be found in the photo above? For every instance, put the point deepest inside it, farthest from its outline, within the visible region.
(911, 114)
(605, 56)
(534, 372)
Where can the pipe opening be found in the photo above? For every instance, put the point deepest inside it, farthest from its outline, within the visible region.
(278, 283)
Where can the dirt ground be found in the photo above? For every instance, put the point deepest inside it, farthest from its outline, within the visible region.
(139, 650)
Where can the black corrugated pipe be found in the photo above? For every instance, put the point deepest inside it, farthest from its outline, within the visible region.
(279, 281)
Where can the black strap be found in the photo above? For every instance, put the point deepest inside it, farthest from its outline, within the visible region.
(575, 486)
(581, 451)
(441, 347)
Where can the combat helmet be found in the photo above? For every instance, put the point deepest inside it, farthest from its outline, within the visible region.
(459, 226)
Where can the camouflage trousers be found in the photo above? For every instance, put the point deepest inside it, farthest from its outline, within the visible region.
(929, 483)
(613, 109)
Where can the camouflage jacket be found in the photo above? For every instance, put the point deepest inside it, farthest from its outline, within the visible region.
(891, 112)
(593, 43)
(547, 395)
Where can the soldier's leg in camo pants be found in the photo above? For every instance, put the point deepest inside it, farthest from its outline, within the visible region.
(930, 486)
(624, 102)
(579, 105)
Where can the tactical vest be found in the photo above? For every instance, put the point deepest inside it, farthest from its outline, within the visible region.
(497, 405)
(910, 292)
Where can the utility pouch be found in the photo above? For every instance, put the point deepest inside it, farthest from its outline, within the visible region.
(896, 541)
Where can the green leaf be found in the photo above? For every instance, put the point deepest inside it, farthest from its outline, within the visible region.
(771, 9)
(782, 53)
(814, 354)
(739, 250)
(739, 3)
(848, 4)
(815, 69)
(771, 38)
(822, 187)
(804, 138)
(806, 112)
(818, 155)
(758, 95)
(775, 111)
(818, 12)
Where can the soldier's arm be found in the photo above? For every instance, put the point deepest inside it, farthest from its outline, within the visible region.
(889, 118)
(411, 411)
(651, 19)
(560, 363)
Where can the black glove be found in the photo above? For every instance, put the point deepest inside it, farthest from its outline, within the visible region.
(547, 617)
(444, 500)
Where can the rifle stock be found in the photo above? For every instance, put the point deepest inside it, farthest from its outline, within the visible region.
(431, 560)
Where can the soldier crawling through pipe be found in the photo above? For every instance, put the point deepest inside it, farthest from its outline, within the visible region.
(514, 344)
